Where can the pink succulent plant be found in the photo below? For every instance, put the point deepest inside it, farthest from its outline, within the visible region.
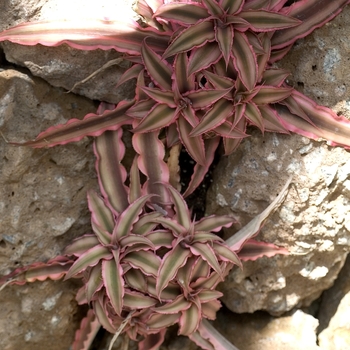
(204, 72)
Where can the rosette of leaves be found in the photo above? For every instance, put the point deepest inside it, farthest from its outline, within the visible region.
(237, 32)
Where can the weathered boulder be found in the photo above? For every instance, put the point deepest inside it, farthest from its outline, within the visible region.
(334, 312)
(43, 207)
(63, 66)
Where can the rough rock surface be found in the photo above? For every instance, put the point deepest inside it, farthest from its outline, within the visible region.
(63, 66)
(334, 313)
(312, 222)
(260, 331)
(43, 207)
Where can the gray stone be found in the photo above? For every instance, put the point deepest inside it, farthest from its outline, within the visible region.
(260, 331)
(43, 207)
(312, 223)
(334, 312)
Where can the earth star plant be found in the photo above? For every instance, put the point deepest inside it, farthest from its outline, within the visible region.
(204, 72)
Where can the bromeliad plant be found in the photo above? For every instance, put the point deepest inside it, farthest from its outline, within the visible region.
(204, 72)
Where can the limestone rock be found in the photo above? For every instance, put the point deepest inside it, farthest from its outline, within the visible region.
(312, 223)
(334, 313)
(63, 66)
(260, 331)
(43, 207)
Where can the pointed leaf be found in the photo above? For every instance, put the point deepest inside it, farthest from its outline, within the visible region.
(135, 182)
(160, 321)
(253, 114)
(87, 34)
(253, 250)
(200, 171)
(182, 13)
(207, 254)
(189, 320)
(271, 94)
(100, 213)
(194, 145)
(146, 261)
(194, 36)
(226, 254)
(232, 7)
(160, 116)
(125, 221)
(109, 150)
(158, 69)
(182, 212)
(145, 223)
(74, 130)
(224, 37)
(112, 277)
(202, 99)
(209, 295)
(179, 304)
(94, 282)
(236, 242)
(90, 258)
(264, 21)
(135, 300)
(81, 245)
(202, 57)
(166, 97)
(161, 239)
(210, 309)
(244, 60)
(214, 117)
(171, 262)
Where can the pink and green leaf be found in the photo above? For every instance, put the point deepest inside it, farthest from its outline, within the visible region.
(310, 18)
(253, 250)
(109, 150)
(200, 171)
(203, 57)
(94, 282)
(87, 34)
(100, 213)
(182, 13)
(237, 241)
(135, 300)
(194, 36)
(90, 258)
(171, 262)
(264, 21)
(127, 218)
(245, 60)
(81, 245)
(158, 69)
(146, 261)
(84, 336)
(190, 320)
(75, 130)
